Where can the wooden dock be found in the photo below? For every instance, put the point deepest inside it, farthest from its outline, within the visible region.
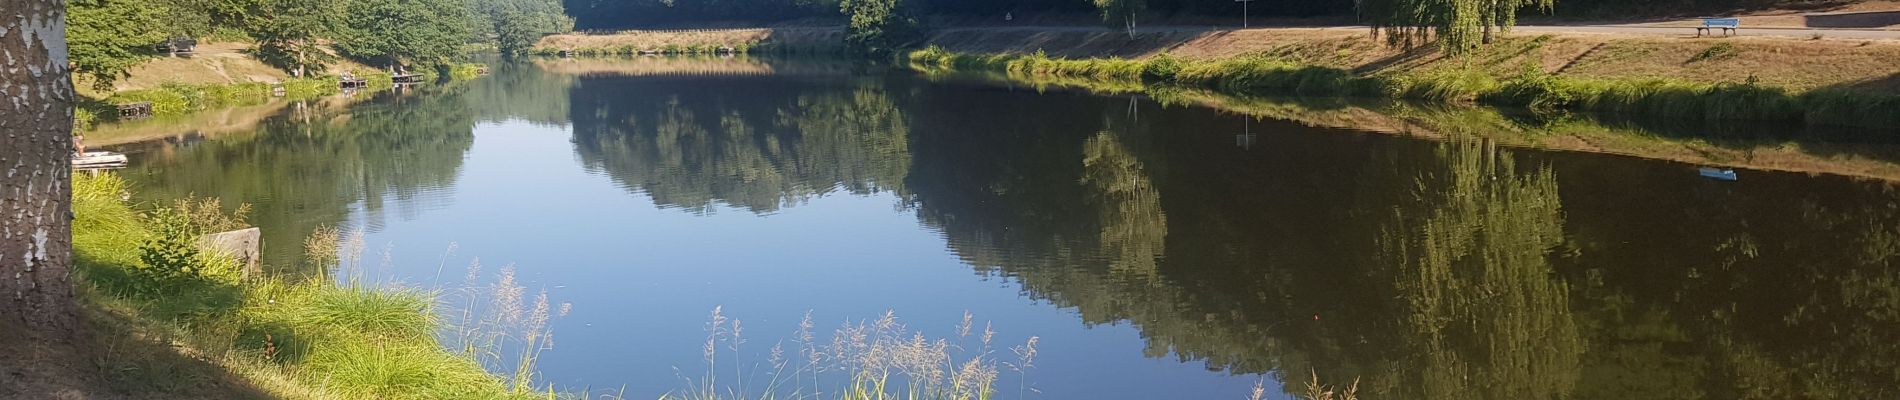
(406, 78)
(136, 110)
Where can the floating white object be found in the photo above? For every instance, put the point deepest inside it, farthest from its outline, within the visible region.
(99, 160)
(1717, 173)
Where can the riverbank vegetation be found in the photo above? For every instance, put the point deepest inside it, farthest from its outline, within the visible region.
(671, 49)
(694, 41)
(1533, 89)
(314, 338)
(175, 99)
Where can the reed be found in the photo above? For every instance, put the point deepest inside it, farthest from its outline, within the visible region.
(873, 359)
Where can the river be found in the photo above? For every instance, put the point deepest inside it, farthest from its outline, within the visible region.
(1154, 251)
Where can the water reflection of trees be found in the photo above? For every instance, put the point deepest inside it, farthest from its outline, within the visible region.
(1425, 270)
(1463, 235)
(304, 170)
(760, 148)
(520, 91)
(1435, 270)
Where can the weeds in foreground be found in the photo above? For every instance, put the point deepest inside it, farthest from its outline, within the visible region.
(1317, 391)
(499, 328)
(862, 360)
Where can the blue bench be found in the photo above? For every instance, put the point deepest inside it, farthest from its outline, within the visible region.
(1727, 25)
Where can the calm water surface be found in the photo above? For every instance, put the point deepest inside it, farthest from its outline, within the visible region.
(1157, 252)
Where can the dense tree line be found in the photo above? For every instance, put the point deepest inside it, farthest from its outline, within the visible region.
(108, 37)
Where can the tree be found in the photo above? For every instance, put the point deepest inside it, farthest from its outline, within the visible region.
(35, 230)
(187, 18)
(1125, 10)
(514, 25)
(399, 32)
(287, 31)
(878, 26)
(108, 37)
(1457, 25)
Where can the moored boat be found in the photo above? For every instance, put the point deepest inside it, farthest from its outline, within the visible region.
(99, 160)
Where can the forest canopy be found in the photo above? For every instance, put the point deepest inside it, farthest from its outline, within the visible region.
(108, 37)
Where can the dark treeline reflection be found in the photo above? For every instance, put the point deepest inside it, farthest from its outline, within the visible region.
(1422, 269)
(305, 169)
(519, 91)
(752, 143)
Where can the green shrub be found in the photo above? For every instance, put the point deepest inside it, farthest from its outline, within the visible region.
(464, 71)
(1161, 68)
(83, 118)
(172, 255)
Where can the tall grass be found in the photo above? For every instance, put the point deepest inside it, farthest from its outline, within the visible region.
(298, 339)
(1267, 74)
(879, 359)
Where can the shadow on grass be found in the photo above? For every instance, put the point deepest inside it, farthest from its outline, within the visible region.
(1873, 19)
(112, 356)
(135, 362)
(137, 350)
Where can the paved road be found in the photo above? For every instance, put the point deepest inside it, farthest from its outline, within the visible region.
(1616, 29)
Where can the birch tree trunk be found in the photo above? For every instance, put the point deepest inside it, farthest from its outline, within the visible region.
(36, 95)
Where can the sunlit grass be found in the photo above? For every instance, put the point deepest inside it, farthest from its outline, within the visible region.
(303, 339)
(397, 313)
(1266, 74)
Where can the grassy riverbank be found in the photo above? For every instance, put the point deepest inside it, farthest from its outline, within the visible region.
(1777, 146)
(143, 281)
(1532, 89)
(172, 99)
(694, 41)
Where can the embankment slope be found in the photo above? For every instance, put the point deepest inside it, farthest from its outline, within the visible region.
(1795, 64)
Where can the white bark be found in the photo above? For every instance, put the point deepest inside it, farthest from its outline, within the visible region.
(35, 227)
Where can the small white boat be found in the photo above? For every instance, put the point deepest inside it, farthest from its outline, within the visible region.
(1721, 174)
(99, 160)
